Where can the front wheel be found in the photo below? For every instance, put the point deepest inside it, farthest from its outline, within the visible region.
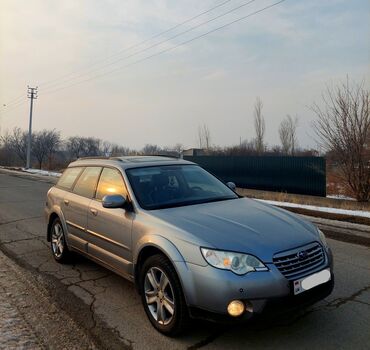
(162, 296)
(59, 247)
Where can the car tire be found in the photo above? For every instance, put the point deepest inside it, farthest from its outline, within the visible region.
(162, 296)
(58, 244)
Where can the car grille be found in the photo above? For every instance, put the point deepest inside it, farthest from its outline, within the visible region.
(300, 261)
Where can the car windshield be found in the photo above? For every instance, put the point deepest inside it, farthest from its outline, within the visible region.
(176, 185)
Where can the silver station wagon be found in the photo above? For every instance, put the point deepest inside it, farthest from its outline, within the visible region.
(193, 247)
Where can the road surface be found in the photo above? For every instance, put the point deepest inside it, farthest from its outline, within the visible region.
(107, 308)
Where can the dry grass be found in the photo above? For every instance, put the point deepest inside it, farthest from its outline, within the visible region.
(303, 199)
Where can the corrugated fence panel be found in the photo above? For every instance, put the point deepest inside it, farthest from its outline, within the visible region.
(301, 175)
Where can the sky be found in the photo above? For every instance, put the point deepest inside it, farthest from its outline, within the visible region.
(96, 77)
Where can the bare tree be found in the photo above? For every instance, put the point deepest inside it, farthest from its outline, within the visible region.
(343, 127)
(83, 147)
(287, 134)
(44, 145)
(75, 147)
(106, 148)
(284, 136)
(150, 150)
(39, 149)
(92, 147)
(204, 137)
(18, 142)
(53, 141)
(118, 151)
(7, 154)
(178, 148)
(259, 126)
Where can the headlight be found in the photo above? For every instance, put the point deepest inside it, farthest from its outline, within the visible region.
(235, 262)
(323, 238)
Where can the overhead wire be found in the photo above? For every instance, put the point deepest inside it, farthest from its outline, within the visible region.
(12, 108)
(170, 48)
(44, 84)
(160, 42)
(53, 81)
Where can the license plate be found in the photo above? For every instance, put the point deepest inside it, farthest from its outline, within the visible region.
(309, 282)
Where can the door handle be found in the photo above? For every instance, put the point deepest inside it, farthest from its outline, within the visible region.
(66, 201)
(93, 211)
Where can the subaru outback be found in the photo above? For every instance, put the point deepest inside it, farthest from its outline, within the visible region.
(192, 246)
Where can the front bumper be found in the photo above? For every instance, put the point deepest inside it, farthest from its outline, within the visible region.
(208, 290)
(270, 308)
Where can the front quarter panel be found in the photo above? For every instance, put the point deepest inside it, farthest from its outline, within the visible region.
(150, 232)
(177, 244)
(159, 242)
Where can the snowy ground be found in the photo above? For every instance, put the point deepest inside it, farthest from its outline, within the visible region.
(340, 196)
(42, 172)
(361, 213)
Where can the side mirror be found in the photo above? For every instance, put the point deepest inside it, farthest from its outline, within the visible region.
(231, 185)
(113, 201)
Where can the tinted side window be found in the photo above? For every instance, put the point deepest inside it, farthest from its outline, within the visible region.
(68, 178)
(86, 183)
(110, 183)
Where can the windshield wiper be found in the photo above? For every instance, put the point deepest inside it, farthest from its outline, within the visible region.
(193, 202)
(218, 199)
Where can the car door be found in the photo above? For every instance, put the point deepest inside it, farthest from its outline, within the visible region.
(110, 229)
(76, 205)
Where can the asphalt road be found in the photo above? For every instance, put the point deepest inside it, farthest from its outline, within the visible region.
(108, 309)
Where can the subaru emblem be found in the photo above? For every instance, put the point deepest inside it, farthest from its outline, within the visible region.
(302, 255)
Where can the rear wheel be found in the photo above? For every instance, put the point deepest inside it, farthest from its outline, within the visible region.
(162, 296)
(59, 247)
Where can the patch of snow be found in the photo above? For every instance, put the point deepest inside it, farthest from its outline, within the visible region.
(340, 196)
(42, 172)
(361, 213)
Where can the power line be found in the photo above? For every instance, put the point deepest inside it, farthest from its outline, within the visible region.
(53, 82)
(160, 42)
(140, 43)
(14, 100)
(171, 48)
(13, 107)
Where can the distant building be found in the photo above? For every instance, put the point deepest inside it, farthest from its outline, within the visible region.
(193, 152)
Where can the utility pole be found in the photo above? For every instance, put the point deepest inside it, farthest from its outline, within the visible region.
(32, 94)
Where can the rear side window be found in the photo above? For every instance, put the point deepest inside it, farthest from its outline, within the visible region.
(68, 177)
(86, 183)
(110, 183)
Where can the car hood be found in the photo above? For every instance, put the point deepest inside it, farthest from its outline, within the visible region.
(242, 225)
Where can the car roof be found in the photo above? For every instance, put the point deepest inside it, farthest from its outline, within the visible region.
(129, 161)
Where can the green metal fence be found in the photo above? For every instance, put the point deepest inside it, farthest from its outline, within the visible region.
(301, 175)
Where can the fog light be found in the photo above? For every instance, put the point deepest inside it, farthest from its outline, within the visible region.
(235, 308)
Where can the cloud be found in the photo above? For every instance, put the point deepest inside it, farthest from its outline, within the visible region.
(285, 55)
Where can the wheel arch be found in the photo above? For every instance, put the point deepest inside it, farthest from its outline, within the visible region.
(55, 213)
(149, 246)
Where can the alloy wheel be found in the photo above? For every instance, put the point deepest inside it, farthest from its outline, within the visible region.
(57, 240)
(159, 296)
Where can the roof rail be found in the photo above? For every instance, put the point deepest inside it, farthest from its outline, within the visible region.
(165, 155)
(99, 157)
(123, 160)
